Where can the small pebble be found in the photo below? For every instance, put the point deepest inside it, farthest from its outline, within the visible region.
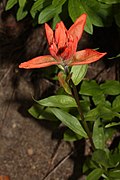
(14, 125)
(33, 167)
(30, 151)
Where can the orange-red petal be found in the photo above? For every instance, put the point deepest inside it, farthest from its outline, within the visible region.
(60, 35)
(39, 62)
(53, 50)
(49, 34)
(86, 56)
(77, 28)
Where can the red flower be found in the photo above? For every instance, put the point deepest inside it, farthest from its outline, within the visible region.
(62, 47)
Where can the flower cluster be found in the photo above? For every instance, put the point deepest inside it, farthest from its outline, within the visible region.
(63, 46)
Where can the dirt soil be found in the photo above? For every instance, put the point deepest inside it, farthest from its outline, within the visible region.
(26, 146)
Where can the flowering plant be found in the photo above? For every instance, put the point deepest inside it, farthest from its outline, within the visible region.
(83, 118)
(62, 47)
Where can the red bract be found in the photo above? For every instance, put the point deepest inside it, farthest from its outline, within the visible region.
(62, 47)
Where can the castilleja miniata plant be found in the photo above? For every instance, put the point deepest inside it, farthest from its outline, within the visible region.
(72, 107)
(63, 46)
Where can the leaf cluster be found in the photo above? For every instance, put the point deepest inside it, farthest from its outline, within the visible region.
(100, 104)
(100, 13)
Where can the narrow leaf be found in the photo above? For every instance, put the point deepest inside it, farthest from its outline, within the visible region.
(50, 11)
(10, 4)
(58, 101)
(112, 124)
(37, 6)
(21, 13)
(70, 121)
(22, 3)
(41, 113)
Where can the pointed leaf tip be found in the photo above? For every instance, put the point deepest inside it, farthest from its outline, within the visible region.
(77, 28)
(86, 56)
(49, 33)
(60, 34)
(39, 62)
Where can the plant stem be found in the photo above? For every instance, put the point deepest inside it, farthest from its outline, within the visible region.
(83, 122)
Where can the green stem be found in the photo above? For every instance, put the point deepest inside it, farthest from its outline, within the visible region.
(83, 122)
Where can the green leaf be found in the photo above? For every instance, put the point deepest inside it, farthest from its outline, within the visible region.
(37, 6)
(71, 136)
(95, 174)
(92, 115)
(116, 104)
(115, 174)
(100, 157)
(76, 8)
(78, 73)
(70, 121)
(22, 3)
(114, 160)
(90, 88)
(40, 113)
(89, 27)
(109, 1)
(58, 2)
(62, 101)
(109, 133)
(99, 14)
(98, 99)
(21, 13)
(50, 11)
(85, 105)
(10, 4)
(112, 124)
(89, 165)
(56, 19)
(111, 87)
(98, 135)
(105, 111)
